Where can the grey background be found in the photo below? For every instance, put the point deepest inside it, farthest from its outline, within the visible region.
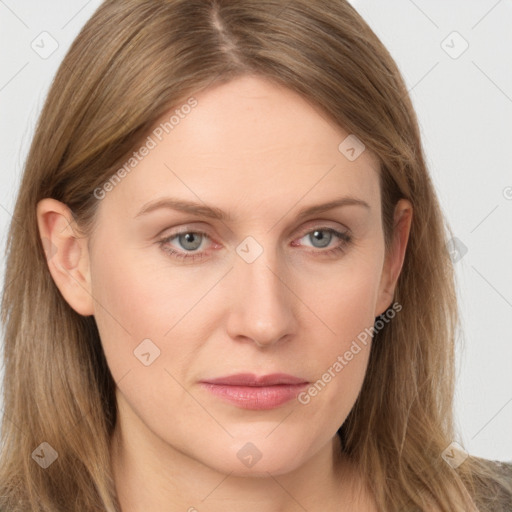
(464, 106)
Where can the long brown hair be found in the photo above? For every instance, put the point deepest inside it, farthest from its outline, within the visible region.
(132, 62)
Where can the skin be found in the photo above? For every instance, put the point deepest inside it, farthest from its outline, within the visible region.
(261, 153)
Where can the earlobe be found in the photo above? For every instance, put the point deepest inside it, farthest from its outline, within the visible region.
(395, 259)
(66, 254)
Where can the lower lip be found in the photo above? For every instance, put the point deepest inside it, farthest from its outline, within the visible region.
(256, 397)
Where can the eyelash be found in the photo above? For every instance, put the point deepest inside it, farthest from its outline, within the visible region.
(345, 238)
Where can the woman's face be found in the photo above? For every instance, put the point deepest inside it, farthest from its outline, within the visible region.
(267, 289)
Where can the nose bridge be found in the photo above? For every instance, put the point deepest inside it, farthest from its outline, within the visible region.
(262, 309)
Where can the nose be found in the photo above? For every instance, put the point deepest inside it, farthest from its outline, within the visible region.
(262, 301)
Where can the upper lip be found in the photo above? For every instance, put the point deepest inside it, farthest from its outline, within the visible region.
(250, 379)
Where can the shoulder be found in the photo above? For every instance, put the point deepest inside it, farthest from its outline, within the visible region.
(493, 485)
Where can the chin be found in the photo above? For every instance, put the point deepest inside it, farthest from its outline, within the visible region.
(275, 466)
(257, 456)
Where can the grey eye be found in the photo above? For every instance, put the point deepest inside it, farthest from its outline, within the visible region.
(190, 241)
(319, 236)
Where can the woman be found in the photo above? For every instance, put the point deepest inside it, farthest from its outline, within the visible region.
(252, 369)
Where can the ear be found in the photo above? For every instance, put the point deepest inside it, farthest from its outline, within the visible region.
(396, 255)
(66, 253)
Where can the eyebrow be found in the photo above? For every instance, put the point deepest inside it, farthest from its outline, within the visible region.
(211, 212)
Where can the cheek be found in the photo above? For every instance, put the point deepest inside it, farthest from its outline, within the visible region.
(147, 313)
(128, 309)
(345, 304)
(344, 300)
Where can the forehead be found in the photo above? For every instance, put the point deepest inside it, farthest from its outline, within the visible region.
(247, 143)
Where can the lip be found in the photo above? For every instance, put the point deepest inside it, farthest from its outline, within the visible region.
(249, 391)
(250, 379)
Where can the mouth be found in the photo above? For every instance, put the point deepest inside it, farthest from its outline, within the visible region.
(248, 391)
